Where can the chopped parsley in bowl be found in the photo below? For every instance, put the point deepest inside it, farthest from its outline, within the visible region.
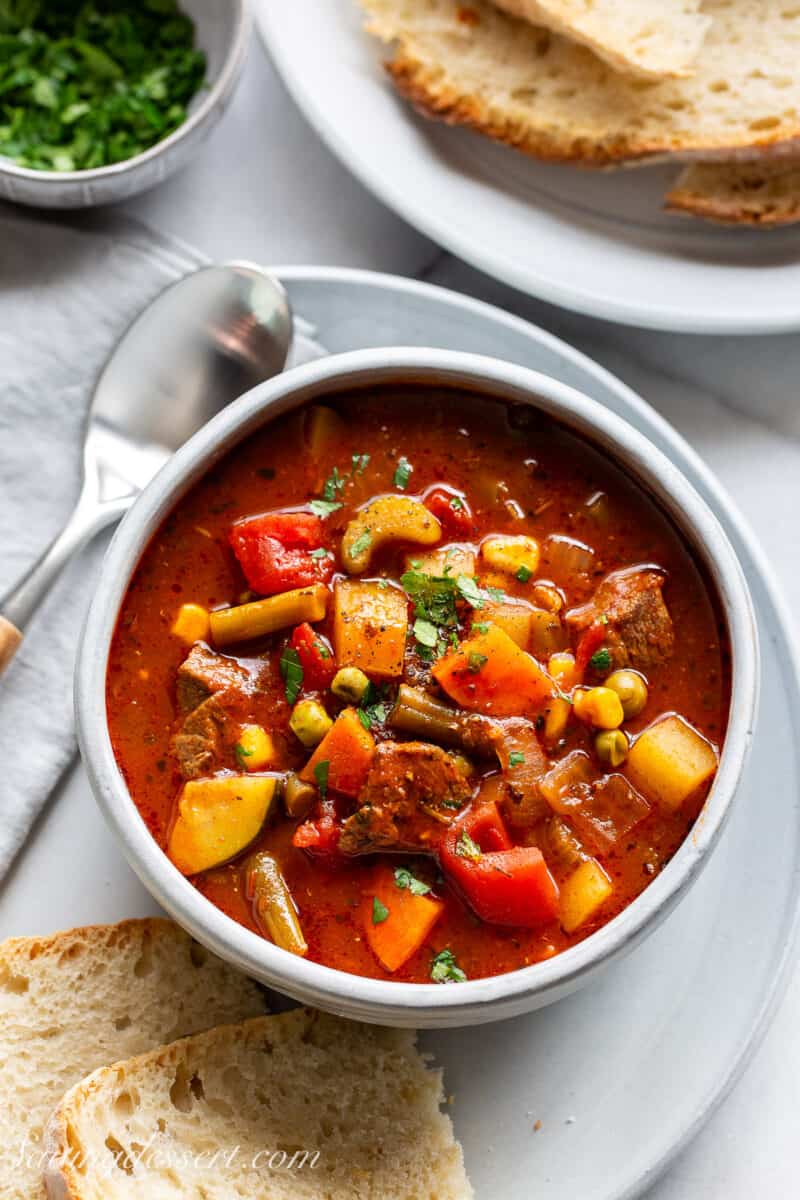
(85, 85)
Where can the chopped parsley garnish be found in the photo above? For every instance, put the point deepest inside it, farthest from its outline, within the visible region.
(516, 758)
(332, 486)
(467, 848)
(292, 673)
(426, 632)
(321, 649)
(475, 661)
(457, 504)
(495, 593)
(402, 474)
(324, 508)
(523, 574)
(379, 911)
(445, 969)
(405, 880)
(603, 619)
(85, 84)
(362, 543)
(242, 754)
(601, 659)
(321, 775)
(481, 626)
(374, 707)
(470, 590)
(360, 462)
(320, 552)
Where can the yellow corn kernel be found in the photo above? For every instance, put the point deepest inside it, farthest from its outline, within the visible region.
(556, 718)
(255, 748)
(587, 888)
(599, 706)
(511, 554)
(561, 668)
(192, 624)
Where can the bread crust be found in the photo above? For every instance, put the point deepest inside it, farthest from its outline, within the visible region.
(440, 100)
(740, 202)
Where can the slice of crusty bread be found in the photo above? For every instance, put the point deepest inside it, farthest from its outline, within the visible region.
(76, 1000)
(765, 195)
(468, 63)
(300, 1106)
(652, 38)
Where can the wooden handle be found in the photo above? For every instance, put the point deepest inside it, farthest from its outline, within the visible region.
(10, 638)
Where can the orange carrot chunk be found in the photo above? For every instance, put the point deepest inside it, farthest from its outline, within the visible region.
(347, 748)
(492, 674)
(396, 921)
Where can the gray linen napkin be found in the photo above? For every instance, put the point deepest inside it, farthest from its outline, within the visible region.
(67, 292)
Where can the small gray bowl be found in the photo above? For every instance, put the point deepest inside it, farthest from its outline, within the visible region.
(384, 1001)
(223, 32)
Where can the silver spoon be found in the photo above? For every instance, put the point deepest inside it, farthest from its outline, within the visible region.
(204, 341)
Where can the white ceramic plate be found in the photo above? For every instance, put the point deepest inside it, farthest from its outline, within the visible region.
(622, 1074)
(595, 242)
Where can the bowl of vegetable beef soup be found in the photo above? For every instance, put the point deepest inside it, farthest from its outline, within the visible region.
(419, 685)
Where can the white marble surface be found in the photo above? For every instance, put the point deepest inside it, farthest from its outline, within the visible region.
(266, 189)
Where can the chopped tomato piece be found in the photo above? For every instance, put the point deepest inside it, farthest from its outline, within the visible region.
(277, 551)
(502, 883)
(320, 835)
(396, 921)
(316, 658)
(590, 643)
(451, 510)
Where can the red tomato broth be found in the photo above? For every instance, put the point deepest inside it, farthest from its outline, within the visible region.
(455, 440)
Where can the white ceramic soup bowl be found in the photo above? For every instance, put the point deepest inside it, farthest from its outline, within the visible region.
(223, 32)
(387, 1002)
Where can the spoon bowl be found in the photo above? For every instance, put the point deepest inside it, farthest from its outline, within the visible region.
(203, 342)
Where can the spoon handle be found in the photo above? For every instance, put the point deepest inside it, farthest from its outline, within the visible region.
(20, 604)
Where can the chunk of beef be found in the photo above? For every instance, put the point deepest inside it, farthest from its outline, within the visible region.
(639, 627)
(412, 792)
(203, 673)
(201, 743)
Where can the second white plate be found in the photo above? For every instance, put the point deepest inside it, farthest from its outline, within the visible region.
(594, 242)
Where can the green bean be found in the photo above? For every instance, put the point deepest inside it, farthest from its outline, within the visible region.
(298, 796)
(274, 906)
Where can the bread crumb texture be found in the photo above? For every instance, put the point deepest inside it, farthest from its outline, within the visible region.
(644, 37)
(300, 1106)
(471, 64)
(85, 998)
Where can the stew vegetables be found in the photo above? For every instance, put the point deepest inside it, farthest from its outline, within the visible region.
(418, 685)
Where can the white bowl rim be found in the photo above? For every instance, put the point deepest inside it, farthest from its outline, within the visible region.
(385, 1000)
(243, 22)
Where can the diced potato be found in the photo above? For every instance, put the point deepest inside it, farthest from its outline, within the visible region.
(348, 749)
(584, 892)
(248, 621)
(386, 519)
(670, 761)
(255, 748)
(563, 668)
(217, 818)
(454, 559)
(370, 624)
(547, 633)
(323, 426)
(513, 618)
(192, 624)
(490, 673)
(511, 554)
(556, 719)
